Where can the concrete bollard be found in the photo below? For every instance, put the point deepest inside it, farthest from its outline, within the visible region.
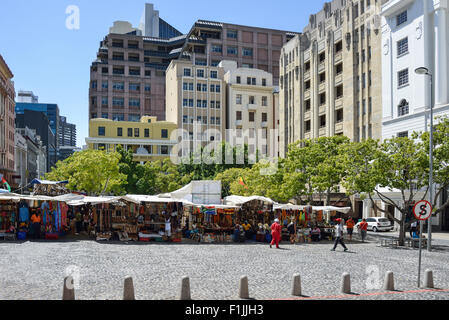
(68, 292)
(185, 289)
(428, 279)
(389, 281)
(243, 289)
(128, 291)
(296, 291)
(346, 283)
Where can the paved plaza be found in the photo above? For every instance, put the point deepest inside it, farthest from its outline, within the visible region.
(35, 270)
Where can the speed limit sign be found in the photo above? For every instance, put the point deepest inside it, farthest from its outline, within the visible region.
(422, 210)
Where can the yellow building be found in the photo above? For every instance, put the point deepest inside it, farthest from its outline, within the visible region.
(149, 139)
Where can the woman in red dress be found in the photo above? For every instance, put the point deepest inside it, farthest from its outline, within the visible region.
(275, 233)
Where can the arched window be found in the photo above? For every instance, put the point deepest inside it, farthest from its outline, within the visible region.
(403, 108)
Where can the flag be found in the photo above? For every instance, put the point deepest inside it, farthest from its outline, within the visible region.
(4, 182)
(242, 183)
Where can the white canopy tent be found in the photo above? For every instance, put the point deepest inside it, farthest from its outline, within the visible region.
(240, 200)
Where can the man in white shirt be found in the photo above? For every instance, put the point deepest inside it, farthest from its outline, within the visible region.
(339, 235)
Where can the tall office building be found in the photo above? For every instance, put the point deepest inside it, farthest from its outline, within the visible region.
(128, 78)
(209, 42)
(196, 103)
(127, 81)
(67, 133)
(330, 79)
(7, 115)
(38, 121)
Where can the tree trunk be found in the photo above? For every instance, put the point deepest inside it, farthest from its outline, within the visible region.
(402, 231)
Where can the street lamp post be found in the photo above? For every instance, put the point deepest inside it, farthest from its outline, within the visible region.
(425, 71)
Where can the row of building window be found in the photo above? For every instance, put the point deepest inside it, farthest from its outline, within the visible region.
(251, 116)
(201, 119)
(201, 104)
(120, 86)
(200, 73)
(160, 150)
(251, 100)
(188, 86)
(130, 131)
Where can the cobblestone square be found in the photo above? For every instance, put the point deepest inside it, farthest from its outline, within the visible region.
(35, 270)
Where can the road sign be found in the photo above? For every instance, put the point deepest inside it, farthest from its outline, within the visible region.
(422, 210)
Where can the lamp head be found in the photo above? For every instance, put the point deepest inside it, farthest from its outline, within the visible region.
(422, 70)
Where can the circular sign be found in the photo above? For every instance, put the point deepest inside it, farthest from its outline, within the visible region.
(422, 210)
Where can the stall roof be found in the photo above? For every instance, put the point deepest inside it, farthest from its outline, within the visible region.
(145, 198)
(93, 200)
(314, 208)
(38, 181)
(240, 200)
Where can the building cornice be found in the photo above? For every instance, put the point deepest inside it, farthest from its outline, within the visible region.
(393, 7)
(130, 141)
(387, 121)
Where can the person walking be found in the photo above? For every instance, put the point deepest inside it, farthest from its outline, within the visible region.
(413, 228)
(291, 231)
(363, 228)
(339, 235)
(36, 220)
(350, 227)
(275, 233)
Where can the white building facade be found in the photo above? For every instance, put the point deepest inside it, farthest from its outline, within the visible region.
(415, 33)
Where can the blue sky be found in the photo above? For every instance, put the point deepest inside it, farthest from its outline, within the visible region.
(54, 62)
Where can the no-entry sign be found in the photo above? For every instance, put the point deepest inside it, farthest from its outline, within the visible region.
(422, 210)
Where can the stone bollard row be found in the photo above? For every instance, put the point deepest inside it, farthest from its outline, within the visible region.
(129, 294)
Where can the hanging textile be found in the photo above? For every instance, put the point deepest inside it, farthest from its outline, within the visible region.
(64, 209)
(44, 212)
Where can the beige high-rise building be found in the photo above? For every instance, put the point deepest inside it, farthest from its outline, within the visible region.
(250, 107)
(330, 75)
(195, 100)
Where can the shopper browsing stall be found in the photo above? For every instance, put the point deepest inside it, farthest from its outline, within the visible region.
(275, 233)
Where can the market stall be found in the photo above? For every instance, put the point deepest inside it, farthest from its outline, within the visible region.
(209, 223)
(157, 218)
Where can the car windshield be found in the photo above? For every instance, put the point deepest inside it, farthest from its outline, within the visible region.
(384, 220)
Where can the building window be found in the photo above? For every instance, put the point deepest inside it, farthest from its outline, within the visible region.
(104, 101)
(264, 101)
(238, 115)
(307, 105)
(198, 87)
(119, 132)
(134, 117)
(101, 131)
(217, 88)
(201, 62)
(403, 134)
(264, 117)
(339, 116)
(134, 71)
(307, 126)
(185, 119)
(118, 117)
(232, 34)
(214, 74)
(264, 82)
(130, 132)
(232, 51)
(402, 47)
(204, 87)
(136, 132)
(118, 102)
(164, 149)
(217, 48)
(322, 77)
(119, 86)
(251, 117)
(134, 102)
(401, 18)
(402, 78)
(247, 52)
(164, 133)
(134, 87)
(238, 99)
(94, 84)
(323, 121)
(322, 98)
(252, 100)
(322, 57)
(200, 73)
(403, 108)
(339, 91)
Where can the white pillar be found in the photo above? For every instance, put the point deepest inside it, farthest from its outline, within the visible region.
(441, 63)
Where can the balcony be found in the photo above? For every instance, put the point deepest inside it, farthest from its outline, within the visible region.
(264, 124)
(322, 87)
(307, 75)
(251, 106)
(307, 115)
(238, 123)
(339, 78)
(339, 127)
(322, 132)
(307, 94)
(338, 56)
(339, 102)
(322, 109)
(321, 66)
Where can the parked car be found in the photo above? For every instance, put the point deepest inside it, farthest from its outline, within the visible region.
(378, 224)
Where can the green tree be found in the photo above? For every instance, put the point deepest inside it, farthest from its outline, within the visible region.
(92, 171)
(398, 163)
